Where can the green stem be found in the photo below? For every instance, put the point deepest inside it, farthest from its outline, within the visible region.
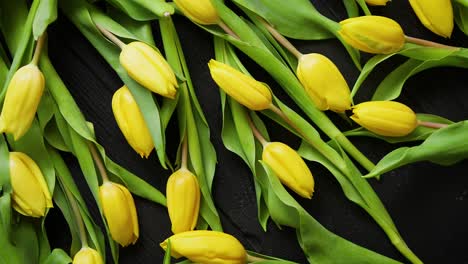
(354, 152)
(184, 154)
(396, 239)
(78, 217)
(281, 39)
(98, 161)
(111, 36)
(38, 50)
(339, 163)
(431, 124)
(428, 43)
(227, 29)
(257, 133)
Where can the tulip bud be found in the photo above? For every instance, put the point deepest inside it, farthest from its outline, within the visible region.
(436, 15)
(87, 255)
(289, 167)
(149, 68)
(373, 34)
(200, 11)
(207, 247)
(183, 200)
(119, 210)
(377, 2)
(131, 122)
(386, 118)
(243, 88)
(324, 83)
(21, 101)
(30, 196)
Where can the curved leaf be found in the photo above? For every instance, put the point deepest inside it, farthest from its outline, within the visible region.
(46, 14)
(446, 146)
(460, 8)
(143, 10)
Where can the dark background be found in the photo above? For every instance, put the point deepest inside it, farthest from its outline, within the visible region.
(429, 203)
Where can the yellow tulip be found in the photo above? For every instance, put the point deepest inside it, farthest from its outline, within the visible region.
(377, 2)
(120, 213)
(207, 247)
(386, 118)
(436, 15)
(373, 34)
(31, 196)
(200, 11)
(183, 200)
(243, 88)
(324, 83)
(87, 255)
(149, 68)
(22, 98)
(289, 167)
(131, 122)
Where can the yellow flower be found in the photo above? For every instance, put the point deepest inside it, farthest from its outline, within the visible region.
(149, 68)
(183, 200)
(207, 247)
(243, 88)
(386, 118)
(87, 255)
(131, 122)
(377, 2)
(200, 11)
(324, 83)
(289, 167)
(30, 196)
(373, 34)
(21, 101)
(436, 15)
(120, 212)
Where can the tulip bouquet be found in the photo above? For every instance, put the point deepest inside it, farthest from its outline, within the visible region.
(41, 121)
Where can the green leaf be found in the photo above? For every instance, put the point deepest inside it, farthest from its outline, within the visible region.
(58, 256)
(390, 88)
(420, 133)
(460, 8)
(18, 37)
(267, 259)
(287, 16)
(83, 15)
(319, 244)
(144, 10)
(298, 19)
(363, 5)
(46, 14)
(351, 8)
(445, 146)
(193, 125)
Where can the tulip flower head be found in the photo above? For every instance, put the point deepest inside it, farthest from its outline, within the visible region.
(290, 168)
(87, 255)
(149, 68)
(385, 118)
(120, 213)
(377, 2)
(200, 11)
(243, 88)
(373, 34)
(436, 15)
(183, 200)
(131, 122)
(207, 247)
(22, 98)
(30, 196)
(324, 83)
